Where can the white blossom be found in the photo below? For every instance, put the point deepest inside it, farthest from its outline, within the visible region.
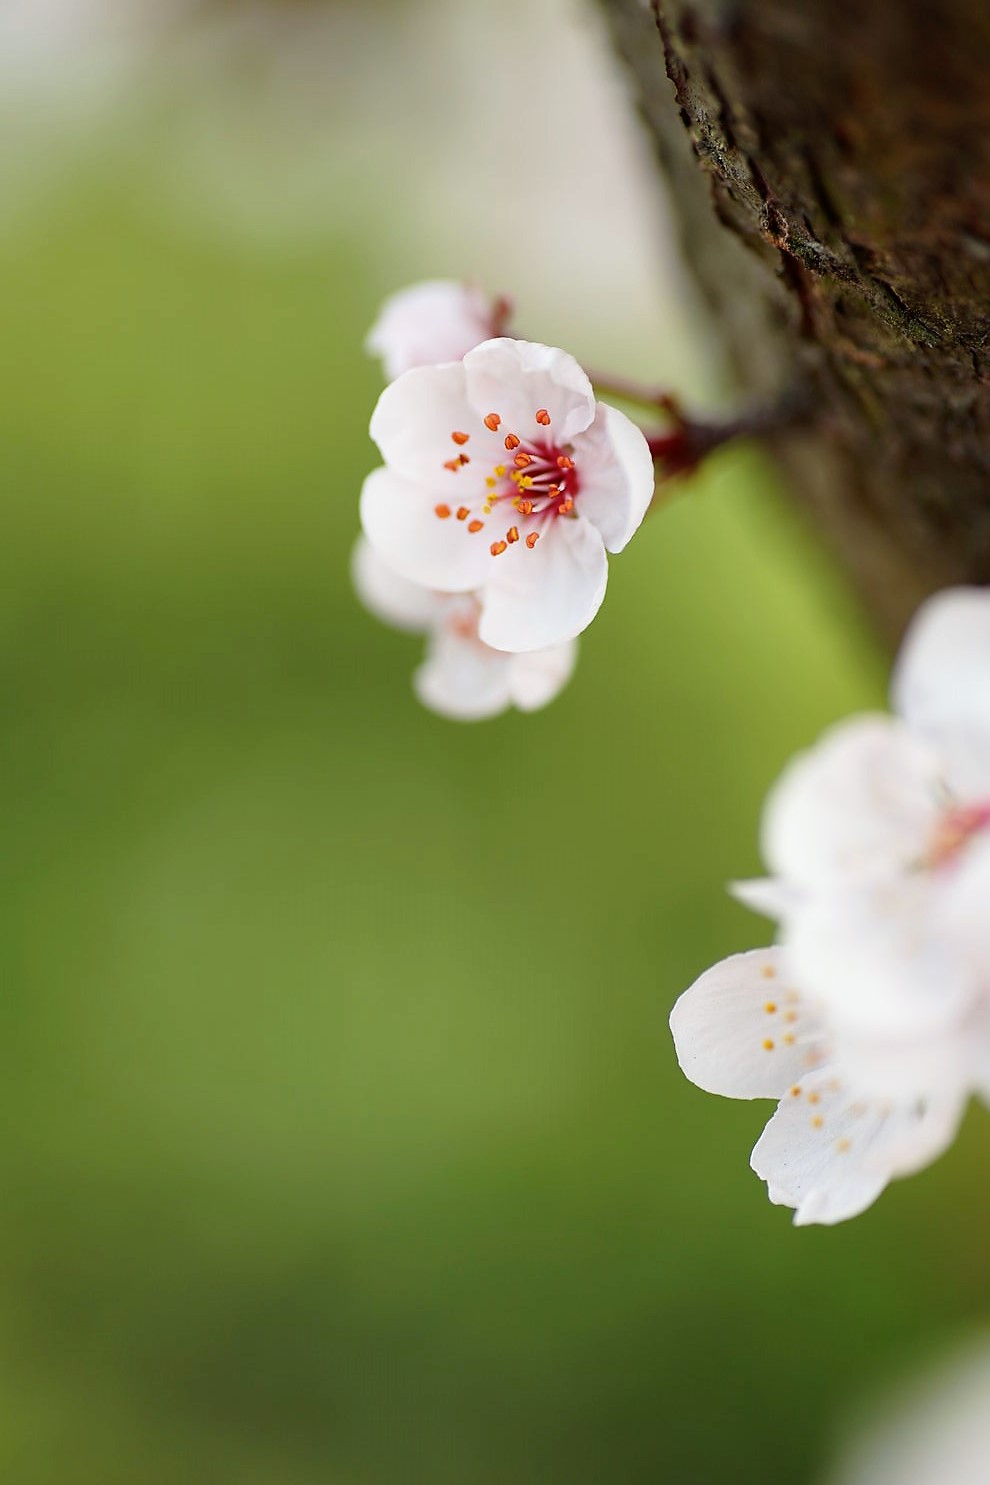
(746, 1030)
(504, 477)
(440, 320)
(461, 677)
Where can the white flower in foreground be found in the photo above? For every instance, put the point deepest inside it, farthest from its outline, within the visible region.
(504, 477)
(461, 677)
(744, 1031)
(440, 320)
(879, 841)
(934, 1432)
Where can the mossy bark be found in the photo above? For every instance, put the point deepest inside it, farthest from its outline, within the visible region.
(830, 164)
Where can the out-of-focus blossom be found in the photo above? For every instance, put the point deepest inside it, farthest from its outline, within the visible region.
(461, 677)
(840, 1134)
(934, 1432)
(504, 477)
(440, 320)
(879, 840)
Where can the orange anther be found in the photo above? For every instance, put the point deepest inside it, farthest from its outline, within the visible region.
(452, 464)
(512, 534)
(564, 463)
(475, 525)
(565, 507)
(512, 442)
(460, 437)
(462, 512)
(492, 421)
(532, 539)
(497, 548)
(525, 507)
(443, 511)
(543, 418)
(463, 459)
(521, 460)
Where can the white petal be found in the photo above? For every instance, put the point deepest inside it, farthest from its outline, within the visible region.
(874, 954)
(861, 803)
(536, 678)
(617, 475)
(400, 523)
(741, 1030)
(829, 1154)
(941, 684)
(947, 1061)
(537, 598)
(462, 678)
(768, 896)
(413, 423)
(960, 899)
(392, 598)
(440, 320)
(518, 378)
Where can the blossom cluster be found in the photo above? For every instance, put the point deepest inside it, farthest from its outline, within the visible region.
(869, 1020)
(504, 484)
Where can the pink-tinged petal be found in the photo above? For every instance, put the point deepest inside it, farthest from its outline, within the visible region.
(536, 678)
(541, 597)
(829, 1154)
(461, 678)
(402, 526)
(413, 425)
(743, 1031)
(518, 378)
(872, 954)
(392, 598)
(617, 476)
(960, 901)
(860, 804)
(768, 896)
(440, 320)
(941, 684)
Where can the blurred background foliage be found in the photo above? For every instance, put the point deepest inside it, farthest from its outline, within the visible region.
(342, 1139)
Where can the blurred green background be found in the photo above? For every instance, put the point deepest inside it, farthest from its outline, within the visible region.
(342, 1138)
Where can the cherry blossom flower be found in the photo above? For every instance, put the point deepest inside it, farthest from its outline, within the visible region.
(504, 477)
(879, 840)
(844, 1126)
(461, 677)
(440, 320)
(933, 1432)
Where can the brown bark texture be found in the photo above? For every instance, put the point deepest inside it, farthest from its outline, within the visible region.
(829, 162)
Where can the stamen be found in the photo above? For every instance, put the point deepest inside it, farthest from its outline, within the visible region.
(532, 539)
(500, 471)
(462, 512)
(563, 462)
(524, 507)
(492, 421)
(443, 511)
(543, 418)
(475, 525)
(520, 461)
(452, 464)
(460, 437)
(565, 507)
(512, 534)
(497, 548)
(490, 481)
(512, 442)
(463, 459)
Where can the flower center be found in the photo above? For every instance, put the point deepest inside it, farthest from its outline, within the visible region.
(536, 482)
(955, 829)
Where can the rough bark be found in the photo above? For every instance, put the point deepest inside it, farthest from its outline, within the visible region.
(844, 149)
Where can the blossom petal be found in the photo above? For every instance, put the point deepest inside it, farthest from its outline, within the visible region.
(768, 896)
(861, 803)
(537, 677)
(741, 1030)
(617, 476)
(401, 524)
(392, 598)
(537, 598)
(941, 684)
(829, 1154)
(413, 423)
(462, 678)
(439, 320)
(518, 378)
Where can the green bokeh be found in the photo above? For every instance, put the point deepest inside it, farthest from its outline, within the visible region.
(342, 1136)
